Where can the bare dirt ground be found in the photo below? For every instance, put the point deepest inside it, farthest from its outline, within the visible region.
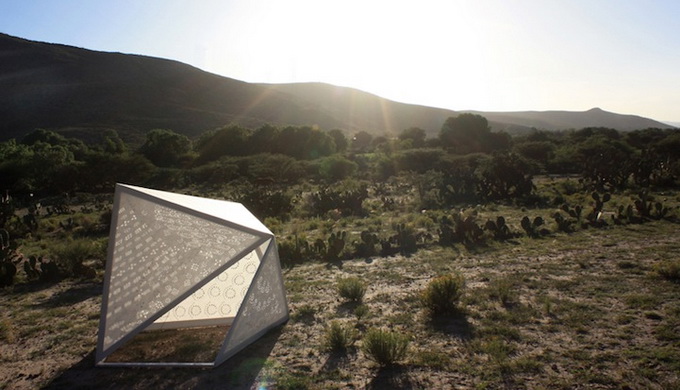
(581, 310)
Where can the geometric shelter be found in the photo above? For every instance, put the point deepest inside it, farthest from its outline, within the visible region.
(178, 261)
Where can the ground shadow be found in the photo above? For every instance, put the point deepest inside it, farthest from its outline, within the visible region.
(73, 295)
(30, 287)
(347, 308)
(239, 372)
(455, 324)
(334, 263)
(393, 378)
(339, 360)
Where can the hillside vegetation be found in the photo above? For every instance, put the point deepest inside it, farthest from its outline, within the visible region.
(468, 260)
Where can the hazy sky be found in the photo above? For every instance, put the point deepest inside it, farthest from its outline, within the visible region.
(492, 55)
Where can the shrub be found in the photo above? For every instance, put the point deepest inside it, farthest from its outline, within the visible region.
(338, 337)
(266, 203)
(295, 250)
(72, 254)
(442, 294)
(346, 196)
(352, 289)
(385, 347)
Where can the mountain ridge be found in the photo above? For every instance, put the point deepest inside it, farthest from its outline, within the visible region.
(81, 92)
(561, 120)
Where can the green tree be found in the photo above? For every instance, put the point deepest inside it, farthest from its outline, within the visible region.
(361, 141)
(319, 144)
(590, 132)
(466, 133)
(44, 136)
(48, 137)
(381, 143)
(414, 134)
(112, 143)
(227, 141)
(15, 167)
(336, 167)
(305, 143)
(267, 168)
(666, 158)
(164, 148)
(669, 146)
(505, 176)
(539, 151)
(605, 161)
(460, 182)
(264, 139)
(101, 171)
(418, 160)
(341, 142)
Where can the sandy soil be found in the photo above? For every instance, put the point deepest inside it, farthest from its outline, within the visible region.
(584, 311)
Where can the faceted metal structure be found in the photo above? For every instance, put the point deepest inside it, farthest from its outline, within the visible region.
(177, 261)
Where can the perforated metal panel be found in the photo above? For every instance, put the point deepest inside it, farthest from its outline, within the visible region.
(265, 306)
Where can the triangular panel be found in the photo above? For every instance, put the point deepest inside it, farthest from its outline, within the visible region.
(231, 212)
(264, 307)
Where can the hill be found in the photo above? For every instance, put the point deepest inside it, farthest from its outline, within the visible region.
(80, 92)
(560, 120)
(83, 91)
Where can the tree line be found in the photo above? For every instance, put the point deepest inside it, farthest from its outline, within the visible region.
(466, 161)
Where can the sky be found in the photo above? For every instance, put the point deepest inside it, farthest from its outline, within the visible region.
(489, 55)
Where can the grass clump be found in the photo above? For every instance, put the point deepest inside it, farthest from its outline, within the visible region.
(433, 359)
(669, 270)
(352, 289)
(361, 311)
(304, 313)
(384, 347)
(293, 381)
(7, 333)
(338, 337)
(442, 294)
(503, 289)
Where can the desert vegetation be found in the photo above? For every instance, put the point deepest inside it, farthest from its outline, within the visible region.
(474, 259)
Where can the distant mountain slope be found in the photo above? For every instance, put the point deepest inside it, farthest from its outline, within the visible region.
(559, 120)
(361, 110)
(62, 87)
(81, 92)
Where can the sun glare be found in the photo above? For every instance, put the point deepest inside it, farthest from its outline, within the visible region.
(492, 55)
(390, 48)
